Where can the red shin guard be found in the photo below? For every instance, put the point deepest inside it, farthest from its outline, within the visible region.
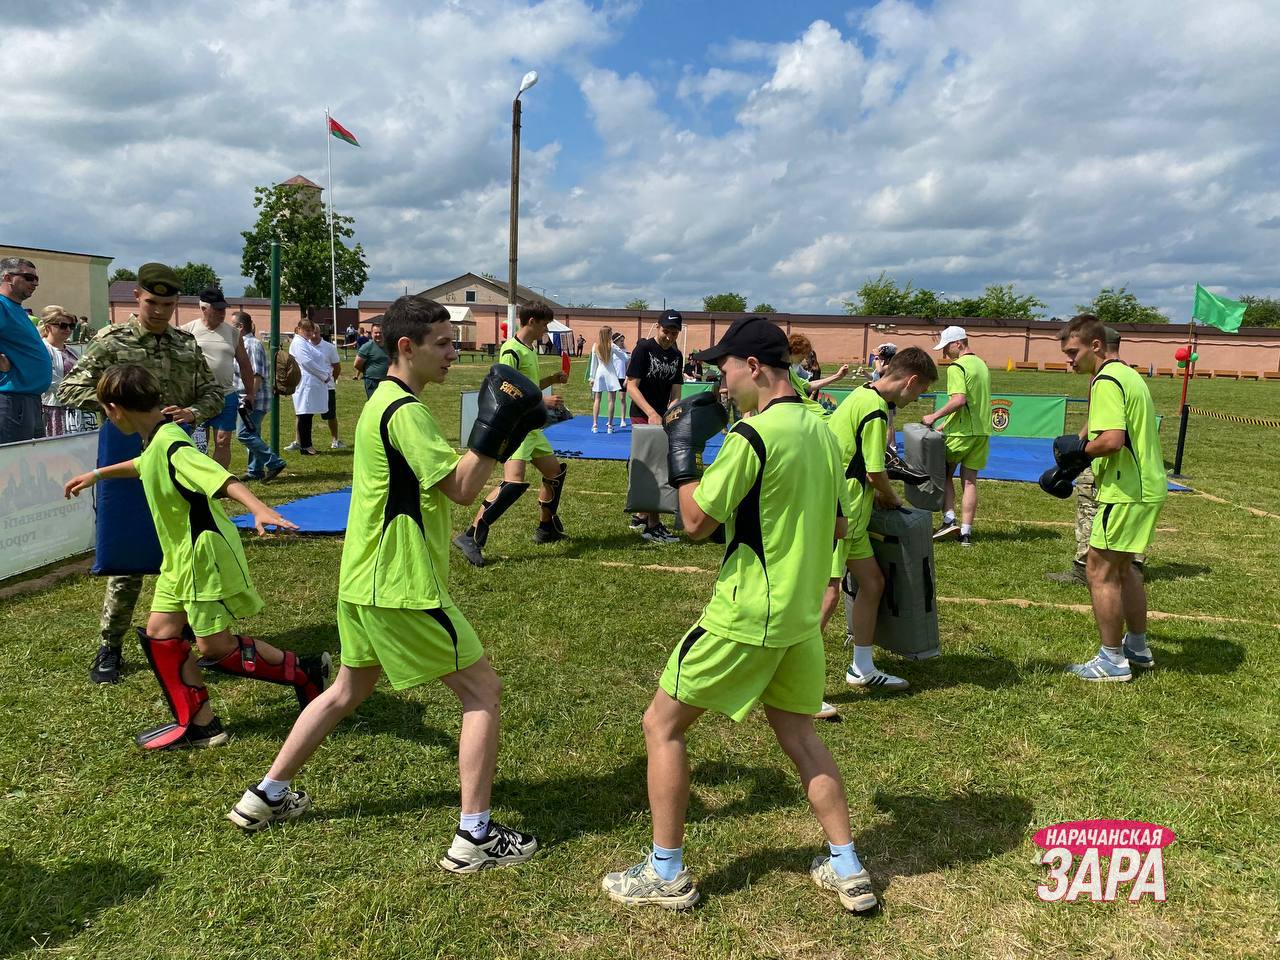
(305, 675)
(167, 658)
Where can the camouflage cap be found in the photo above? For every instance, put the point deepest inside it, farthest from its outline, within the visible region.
(159, 279)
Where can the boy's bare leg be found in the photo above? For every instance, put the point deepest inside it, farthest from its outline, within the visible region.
(351, 688)
(665, 722)
(479, 690)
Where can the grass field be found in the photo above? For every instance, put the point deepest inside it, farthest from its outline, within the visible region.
(110, 853)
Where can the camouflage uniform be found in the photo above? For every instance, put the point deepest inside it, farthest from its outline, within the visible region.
(175, 359)
(1086, 507)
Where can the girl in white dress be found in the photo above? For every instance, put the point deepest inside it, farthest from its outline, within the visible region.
(621, 359)
(603, 378)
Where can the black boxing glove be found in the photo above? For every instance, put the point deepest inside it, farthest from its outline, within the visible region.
(508, 408)
(689, 425)
(1058, 481)
(1068, 453)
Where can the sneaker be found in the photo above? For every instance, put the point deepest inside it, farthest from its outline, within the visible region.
(622, 425)
(310, 452)
(274, 472)
(875, 680)
(107, 664)
(470, 549)
(658, 534)
(641, 886)
(1144, 661)
(294, 446)
(549, 531)
(196, 737)
(826, 712)
(855, 892)
(948, 529)
(966, 539)
(898, 469)
(1075, 575)
(502, 848)
(595, 428)
(667, 534)
(608, 428)
(337, 445)
(248, 477)
(255, 812)
(637, 523)
(1101, 670)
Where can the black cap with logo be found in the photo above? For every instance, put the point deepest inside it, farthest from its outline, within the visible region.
(671, 318)
(756, 337)
(213, 297)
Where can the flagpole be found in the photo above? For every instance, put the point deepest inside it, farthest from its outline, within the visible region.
(333, 268)
(1183, 410)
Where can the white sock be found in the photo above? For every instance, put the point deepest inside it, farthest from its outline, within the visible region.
(1115, 655)
(274, 789)
(966, 529)
(949, 517)
(476, 824)
(863, 660)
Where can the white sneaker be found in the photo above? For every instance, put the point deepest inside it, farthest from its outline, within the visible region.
(875, 680)
(255, 812)
(595, 428)
(855, 893)
(337, 445)
(608, 428)
(294, 446)
(826, 712)
(503, 847)
(641, 886)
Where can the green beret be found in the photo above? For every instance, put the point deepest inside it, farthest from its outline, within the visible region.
(158, 279)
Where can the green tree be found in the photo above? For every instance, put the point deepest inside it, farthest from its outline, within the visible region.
(290, 215)
(251, 291)
(1118, 305)
(1261, 311)
(882, 297)
(639, 303)
(999, 300)
(763, 308)
(123, 273)
(196, 277)
(724, 303)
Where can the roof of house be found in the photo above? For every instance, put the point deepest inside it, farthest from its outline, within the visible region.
(298, 180)
(523, 293)
(65, 253)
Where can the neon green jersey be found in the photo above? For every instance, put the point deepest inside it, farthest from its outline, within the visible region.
(970, 376)
(775, 485)
(396, 552)
(203, 558)
(860, 425)
(1120, 400)
(516, 353)
(801, 387)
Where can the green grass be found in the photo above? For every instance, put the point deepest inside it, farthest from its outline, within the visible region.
(108, 852)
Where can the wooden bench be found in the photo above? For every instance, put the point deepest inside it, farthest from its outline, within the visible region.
(1203, 375)
(1027, 365)
(1164, 371)
(1053, 365)
(1226, 375)
(1248, 374)
(1271, 374)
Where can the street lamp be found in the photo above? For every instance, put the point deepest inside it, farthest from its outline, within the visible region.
(529, 80)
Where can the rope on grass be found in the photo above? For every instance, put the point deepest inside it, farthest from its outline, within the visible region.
(1234, 418)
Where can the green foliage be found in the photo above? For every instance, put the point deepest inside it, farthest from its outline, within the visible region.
(1118, 305)
(883, 297)
(123, 273)
(639, 303)
(1261, 312)
(763, 308)
(724, 303)
(196, 277)
(290, 215)
(251, 291)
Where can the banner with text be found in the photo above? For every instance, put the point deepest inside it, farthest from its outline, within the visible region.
(37, 526)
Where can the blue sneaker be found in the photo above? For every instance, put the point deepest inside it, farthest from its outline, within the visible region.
(1101, 670)
(1143, 660)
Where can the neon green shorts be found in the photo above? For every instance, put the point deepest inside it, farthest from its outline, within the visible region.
(411, 646)
(1125, 527)
(207, 617)
(534, 445)
(855, 548)
(708, 671)
(971, 452)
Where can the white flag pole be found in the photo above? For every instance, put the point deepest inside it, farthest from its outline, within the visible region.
(333, 267)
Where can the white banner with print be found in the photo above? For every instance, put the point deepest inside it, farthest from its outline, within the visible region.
(37, 526)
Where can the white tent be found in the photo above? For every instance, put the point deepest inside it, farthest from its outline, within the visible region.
(557, 327)
(461, 316)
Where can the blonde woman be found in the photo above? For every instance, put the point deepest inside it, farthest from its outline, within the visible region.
(603, 377)
(57, 325)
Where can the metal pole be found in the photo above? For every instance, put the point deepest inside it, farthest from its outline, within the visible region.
(515, 212)
(275, 343)
(1183, 414)
(1182, 439)
(333, 269)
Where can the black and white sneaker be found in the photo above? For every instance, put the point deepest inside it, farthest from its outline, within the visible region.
(966, 539)
(255, 812)
(658, 534)
(637, 523)
(106, 665)
(195, 737)
(948, 529)
(503, 847)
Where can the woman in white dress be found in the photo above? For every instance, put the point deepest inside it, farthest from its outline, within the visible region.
(621, 359)
(603, 379)
(312, 395)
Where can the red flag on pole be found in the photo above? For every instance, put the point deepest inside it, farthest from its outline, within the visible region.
(342, 133)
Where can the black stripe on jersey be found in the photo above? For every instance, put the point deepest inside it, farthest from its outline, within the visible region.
(747, 530)
(1128, 439)
(857, 469)
(515, 358)
(402, 482)
(199, 513)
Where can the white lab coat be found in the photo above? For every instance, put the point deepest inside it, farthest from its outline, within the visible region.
(312, 395)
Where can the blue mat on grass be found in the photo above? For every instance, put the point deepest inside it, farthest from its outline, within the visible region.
(1020, 459)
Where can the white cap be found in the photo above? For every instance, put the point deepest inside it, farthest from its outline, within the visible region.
(951, 335)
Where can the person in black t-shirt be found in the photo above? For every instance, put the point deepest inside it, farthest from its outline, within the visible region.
(654, 376)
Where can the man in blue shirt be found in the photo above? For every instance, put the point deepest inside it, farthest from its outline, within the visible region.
(25, 370)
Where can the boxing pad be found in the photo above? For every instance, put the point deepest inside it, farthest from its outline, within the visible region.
(508, 407)
(689, 424)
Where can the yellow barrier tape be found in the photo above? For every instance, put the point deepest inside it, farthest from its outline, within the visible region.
(1234, 418)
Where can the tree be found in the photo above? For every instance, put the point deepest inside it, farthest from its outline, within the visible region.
(724, 303)
(882, 297)
(763, 308)
(1261, 311)
(639, 303)
(123, 273)
(1113, 306)
(289, 214)
(999, 300)
(196, 277)
(251, 291)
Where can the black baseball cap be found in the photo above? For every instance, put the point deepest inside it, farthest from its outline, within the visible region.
(756, 337)
(213, 297)
(671, 318)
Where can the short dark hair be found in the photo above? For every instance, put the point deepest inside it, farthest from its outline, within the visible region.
(243, 320)
(537, 310)
(912, 361)
(15, 265)
(1085, 326)
(410, 316)
(129, 386)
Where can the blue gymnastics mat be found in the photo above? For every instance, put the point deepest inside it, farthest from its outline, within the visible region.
(573, 440)
(323, 513)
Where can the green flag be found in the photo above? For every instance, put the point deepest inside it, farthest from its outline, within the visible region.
(1218, 311)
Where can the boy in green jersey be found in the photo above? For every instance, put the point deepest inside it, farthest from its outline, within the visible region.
(1128, 468)
(395, 614)
(776, 487)
(519, 352)
(967, 430)
(860, 425)
(204, 585)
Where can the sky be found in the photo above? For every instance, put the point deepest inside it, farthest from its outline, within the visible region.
(785, 151)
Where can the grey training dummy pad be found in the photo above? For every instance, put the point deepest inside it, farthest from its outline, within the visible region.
(925, 450)
(647, 487)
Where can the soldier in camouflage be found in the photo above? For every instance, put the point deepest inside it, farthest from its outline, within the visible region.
(1087, 506)
(189, 390)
